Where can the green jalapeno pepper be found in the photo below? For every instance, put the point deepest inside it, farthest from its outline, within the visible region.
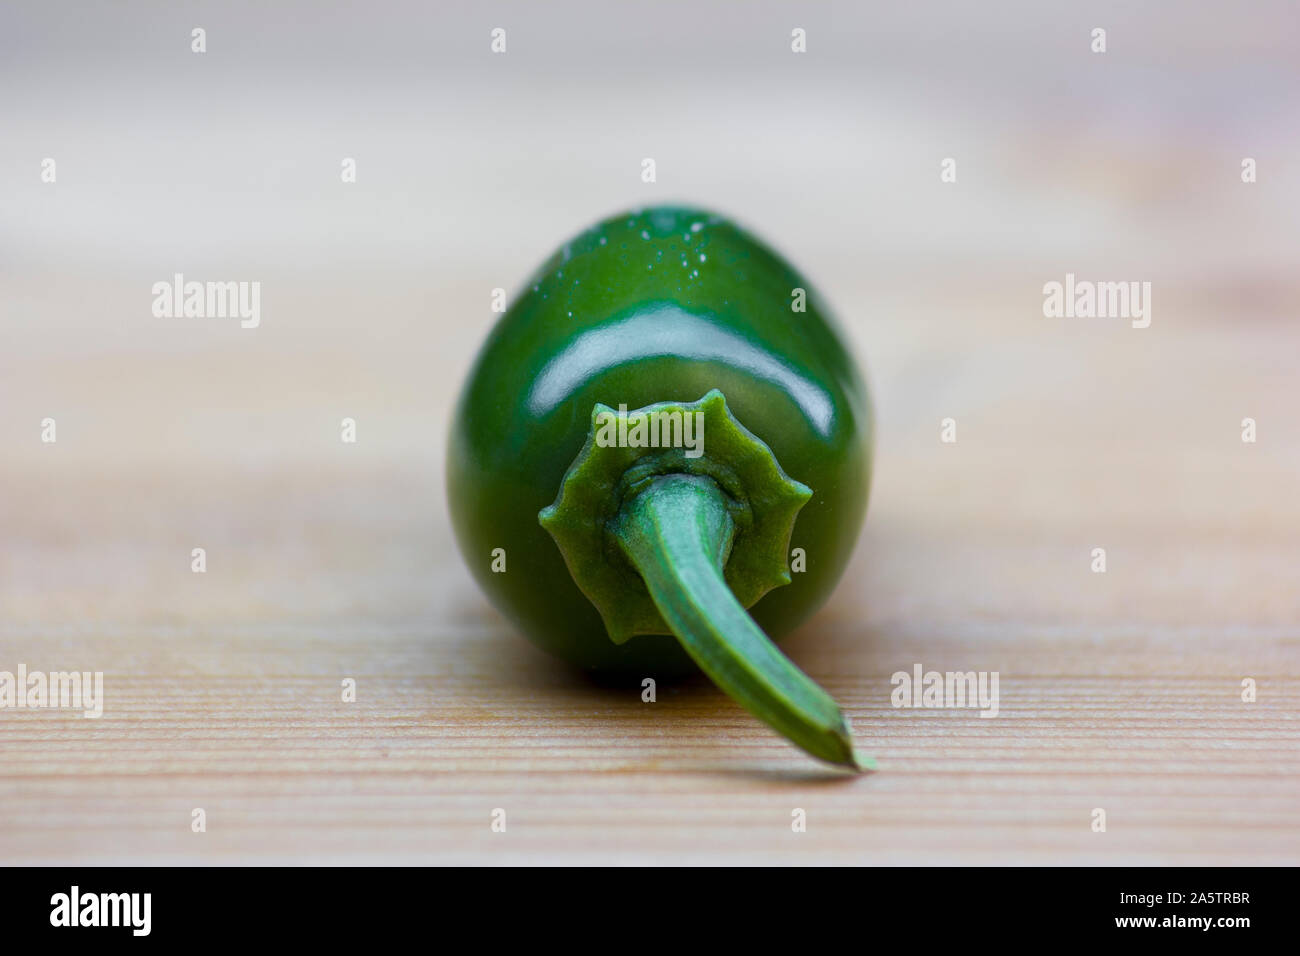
(661, 459)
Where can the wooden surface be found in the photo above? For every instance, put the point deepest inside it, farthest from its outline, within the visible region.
(326, 561)
(1119, 691)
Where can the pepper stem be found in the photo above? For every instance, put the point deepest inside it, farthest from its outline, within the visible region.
(677, 532)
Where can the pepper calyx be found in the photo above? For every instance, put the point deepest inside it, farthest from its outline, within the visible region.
(761, 500)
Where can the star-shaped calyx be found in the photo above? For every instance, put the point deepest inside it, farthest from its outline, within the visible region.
(625, 453)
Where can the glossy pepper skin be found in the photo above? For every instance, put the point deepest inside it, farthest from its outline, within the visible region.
(657, 305)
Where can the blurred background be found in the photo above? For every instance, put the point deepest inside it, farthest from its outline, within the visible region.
(471, 167)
